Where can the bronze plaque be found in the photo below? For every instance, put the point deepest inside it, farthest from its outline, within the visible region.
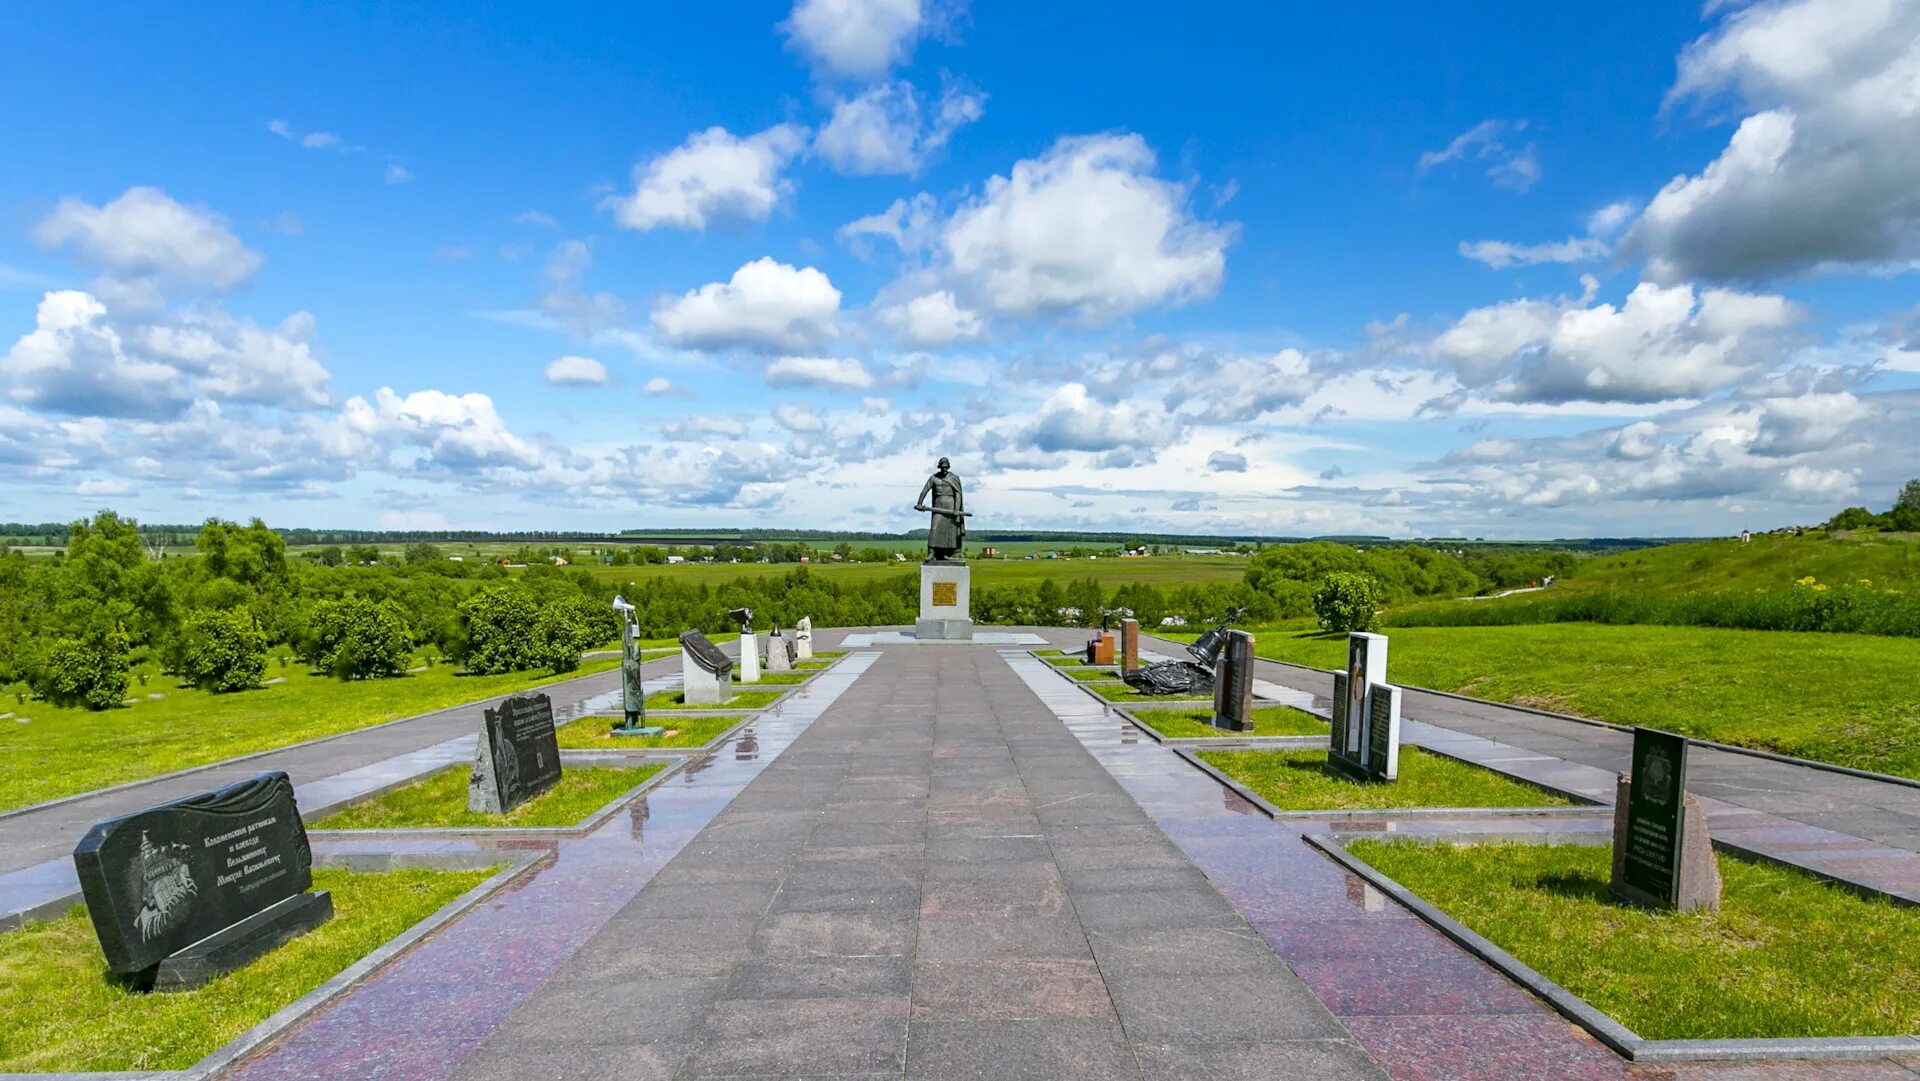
(946, 594)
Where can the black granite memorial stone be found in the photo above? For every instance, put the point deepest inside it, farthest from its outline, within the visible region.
(518, 757)
(211, 881)
(1649, 859)
(1383, 733)
(706, 654)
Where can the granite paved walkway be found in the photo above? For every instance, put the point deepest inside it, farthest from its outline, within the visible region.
(935, 880)
(1874, 810)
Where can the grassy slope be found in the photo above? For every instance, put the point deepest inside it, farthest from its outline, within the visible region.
(59, 1012)
(1787, 955)
(440, 801)
(63, 751)
(1302, 781)
(1888, 560)
(1842, 698)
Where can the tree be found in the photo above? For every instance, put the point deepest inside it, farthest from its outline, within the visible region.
(253, 556)
(356, 638)
(1909, 496)
(222, 651)
(1346, 601)
(1853, 518)
(1905, 515)
(498, 627)
(422, 552)
(91, 671)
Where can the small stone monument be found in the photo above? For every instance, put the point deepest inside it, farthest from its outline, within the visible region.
(518, 757)
(1352, 745)
(185, 891)
(1662, 856)
(749, 646)
(803, 639)
(1233, 684)
(945, 578)
(706, 674)
(779, 654)
(1129, 646)
(1100, 648)
(633, 691)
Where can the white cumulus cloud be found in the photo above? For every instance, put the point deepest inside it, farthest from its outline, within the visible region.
(932, 320)
(144, 234)
(881, 130)
(713, 176)
(836, 373)
(855, 39)
(766, 305)
(571, 371)
(1084, 230)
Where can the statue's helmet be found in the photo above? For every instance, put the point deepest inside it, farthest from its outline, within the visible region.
(944, 463)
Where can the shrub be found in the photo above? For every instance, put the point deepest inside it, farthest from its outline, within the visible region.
(501, 631)
(355, 638)
(222, 651)
(1346, 601)
(91, 671)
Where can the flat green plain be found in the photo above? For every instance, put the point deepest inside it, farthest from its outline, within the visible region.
(1787, 956)
(59, 1012)
(58, 752)
(1849, 699)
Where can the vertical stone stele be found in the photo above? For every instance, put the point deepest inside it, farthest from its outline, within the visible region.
(1662, 854)
(1233, 684)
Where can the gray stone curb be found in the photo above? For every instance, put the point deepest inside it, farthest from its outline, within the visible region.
(1751, 752)
(1602, 1027)
(345, 980)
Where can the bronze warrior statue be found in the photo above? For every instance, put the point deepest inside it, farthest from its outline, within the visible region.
(947, 533)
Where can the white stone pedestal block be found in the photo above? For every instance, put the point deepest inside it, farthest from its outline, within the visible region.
(749, 658)
(944, 611)
(699, 687)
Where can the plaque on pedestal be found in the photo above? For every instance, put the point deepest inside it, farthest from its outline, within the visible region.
(944, 611)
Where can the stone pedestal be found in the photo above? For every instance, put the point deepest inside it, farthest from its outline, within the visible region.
(706, 674)
(1100, 649)
(749, 658)
(1129, 645)
(1696, 879)
(944, 596)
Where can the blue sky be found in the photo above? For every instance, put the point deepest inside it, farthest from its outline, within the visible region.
(1511, 270)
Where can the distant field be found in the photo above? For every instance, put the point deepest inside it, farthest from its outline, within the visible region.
(1843, 698)
(1150, 570)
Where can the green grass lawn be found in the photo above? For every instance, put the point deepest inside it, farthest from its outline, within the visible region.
(1120, 692)
(1267, 721)
(60, 752)
(440, 801)
(59, 1012)
(590, 733)
(1850, 699)
(1786, 956)
(1302, 781)
(1888, 560)
(778, 679)
(1066, 661)
(740, 700)
(812, 665)
(1090, 675)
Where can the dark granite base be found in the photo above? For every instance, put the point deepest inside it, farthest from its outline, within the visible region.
(244, 942)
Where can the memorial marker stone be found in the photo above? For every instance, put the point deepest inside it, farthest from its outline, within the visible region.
(1366, 672)
(1382, 761)
(518, 757)
(1129, 646)
(182, 892)
(803, 639)
(779, 654)
(1233, 684)
(706, 674)
(1662, 855)
(1100, 648)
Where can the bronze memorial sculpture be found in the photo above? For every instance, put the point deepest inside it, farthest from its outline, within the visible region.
(947, 533)
(944, 575)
